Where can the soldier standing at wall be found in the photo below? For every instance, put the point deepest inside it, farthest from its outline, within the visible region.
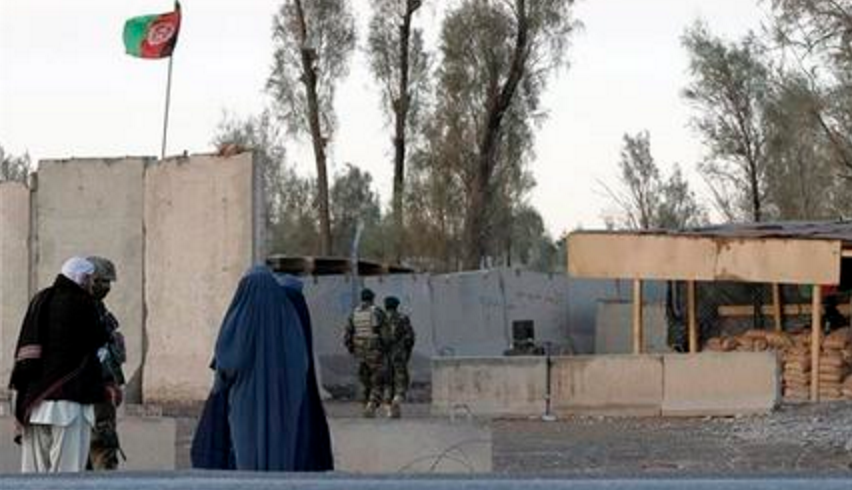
(363, 338)
(400, 343)
(105, 447)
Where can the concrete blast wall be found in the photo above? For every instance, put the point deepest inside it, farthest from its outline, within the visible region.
(670, 384)
(94, 207)
(202, 234)
(467, 314)
(14, 269)
(614, 328)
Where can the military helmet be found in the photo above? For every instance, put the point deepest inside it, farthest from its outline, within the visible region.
(367, 294)
(104, 268)
(391, 302)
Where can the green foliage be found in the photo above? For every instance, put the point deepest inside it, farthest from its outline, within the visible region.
(647, 201)
(329, 40)
(353, 201)
(383, 49)
(290, 211)
(729, 90)
(14, 168)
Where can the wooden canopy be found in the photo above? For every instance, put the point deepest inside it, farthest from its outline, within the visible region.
(776, 253)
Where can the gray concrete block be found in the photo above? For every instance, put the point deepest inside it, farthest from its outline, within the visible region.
(200, 240)
(14, 269)
(614, 328)
(489, 386)
(94, 207)
(607, 385)
(721, 383)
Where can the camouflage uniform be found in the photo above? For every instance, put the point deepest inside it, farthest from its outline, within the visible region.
(105, 447)
(400, 344)
(103, 453)
(363, 339)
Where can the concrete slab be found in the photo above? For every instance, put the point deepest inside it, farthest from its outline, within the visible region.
(614, 332)
(720, 383)
(607, 385)
(94, 207)
(489, 386)
(411, 446)
(14, 270)
(201, 237)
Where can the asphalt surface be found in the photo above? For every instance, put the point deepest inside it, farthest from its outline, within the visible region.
(249, 481)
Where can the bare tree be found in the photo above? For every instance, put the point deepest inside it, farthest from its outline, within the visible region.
(399, 63)
(313, 42)
(729, 89)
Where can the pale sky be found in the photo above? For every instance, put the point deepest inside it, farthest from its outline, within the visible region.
(68, 90)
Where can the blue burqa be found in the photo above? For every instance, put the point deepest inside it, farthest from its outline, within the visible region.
(313, 440)
(263, 358)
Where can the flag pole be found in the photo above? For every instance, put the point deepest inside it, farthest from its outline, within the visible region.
(166, 116)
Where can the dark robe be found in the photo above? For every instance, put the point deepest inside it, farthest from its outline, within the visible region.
(56, 354)
(262, 360)
(314, 439)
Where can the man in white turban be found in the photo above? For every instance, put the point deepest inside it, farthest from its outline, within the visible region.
(56, 392)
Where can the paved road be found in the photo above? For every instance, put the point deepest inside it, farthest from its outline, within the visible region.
(244, 481)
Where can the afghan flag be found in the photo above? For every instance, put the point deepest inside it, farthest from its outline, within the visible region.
(152, 36)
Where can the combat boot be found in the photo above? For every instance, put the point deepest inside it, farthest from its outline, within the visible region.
(370, 410)
(395, 408)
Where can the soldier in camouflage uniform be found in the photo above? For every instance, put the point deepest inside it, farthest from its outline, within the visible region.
(400, 343)
(104, 450)
(363, 338)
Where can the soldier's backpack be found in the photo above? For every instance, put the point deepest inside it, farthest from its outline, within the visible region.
(367, 323)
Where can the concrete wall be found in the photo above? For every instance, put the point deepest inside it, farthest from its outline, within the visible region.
(94, 207)
(411, 446)
(619, 385)
(510, 386)
(201, 237)
(466, 314)
(614, 327)
(672, 384)
(14, 270)
(721, 383)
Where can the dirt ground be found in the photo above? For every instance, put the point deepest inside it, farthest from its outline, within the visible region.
(796, 438)
(800, 438)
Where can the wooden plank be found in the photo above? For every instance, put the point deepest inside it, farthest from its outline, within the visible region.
(776, 307)
(816, 340)
(795, 309)
(699, 258)
(638, 327)
(692, 317)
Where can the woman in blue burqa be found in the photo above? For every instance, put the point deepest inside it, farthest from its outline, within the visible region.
(264, 412)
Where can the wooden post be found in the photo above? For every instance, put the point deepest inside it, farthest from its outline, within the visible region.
(638, 333)
(776, 307)
(692, 317)
(816, 340)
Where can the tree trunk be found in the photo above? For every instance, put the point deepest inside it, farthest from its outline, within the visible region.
(478, 229)
(401, 107)
(309, 77)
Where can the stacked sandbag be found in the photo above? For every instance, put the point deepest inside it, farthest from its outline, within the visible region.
(835, 381)
(833, 364)
(796, 377)
(846, 387)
